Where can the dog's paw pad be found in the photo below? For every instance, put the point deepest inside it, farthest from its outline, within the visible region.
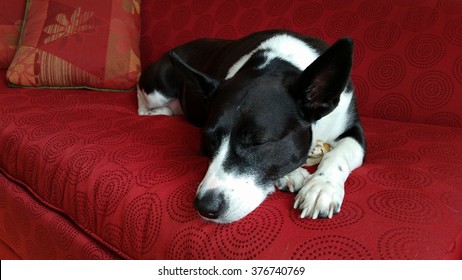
(319, 198)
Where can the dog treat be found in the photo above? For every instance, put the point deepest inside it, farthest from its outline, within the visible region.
(316, 154)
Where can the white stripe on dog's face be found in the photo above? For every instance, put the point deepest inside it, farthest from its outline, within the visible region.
(241, 193)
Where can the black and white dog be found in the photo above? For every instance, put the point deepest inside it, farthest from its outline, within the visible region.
(263, 101)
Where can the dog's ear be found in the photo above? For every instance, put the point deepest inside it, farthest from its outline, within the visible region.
(199, 81)
(317, 90)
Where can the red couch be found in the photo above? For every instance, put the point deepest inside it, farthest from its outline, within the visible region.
(82, 176)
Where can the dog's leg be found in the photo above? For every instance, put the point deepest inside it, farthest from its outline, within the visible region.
(157, 104)
(293, 181)
(322, 194)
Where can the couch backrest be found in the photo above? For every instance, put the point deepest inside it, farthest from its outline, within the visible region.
(408, 53)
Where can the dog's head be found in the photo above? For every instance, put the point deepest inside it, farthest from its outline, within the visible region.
(259, 126)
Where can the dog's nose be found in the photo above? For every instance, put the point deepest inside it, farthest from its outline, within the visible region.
(211, 205)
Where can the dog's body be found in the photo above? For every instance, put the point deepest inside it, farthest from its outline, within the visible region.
(263, 101)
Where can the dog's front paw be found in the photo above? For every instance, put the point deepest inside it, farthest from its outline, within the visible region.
(293, 181)
(320, 197)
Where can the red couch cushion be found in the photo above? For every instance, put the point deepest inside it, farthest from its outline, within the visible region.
(11, 16)
(130, 182)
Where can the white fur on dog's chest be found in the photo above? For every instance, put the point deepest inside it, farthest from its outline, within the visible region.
(328, 128)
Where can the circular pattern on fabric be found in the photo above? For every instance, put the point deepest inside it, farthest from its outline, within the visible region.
(456, 69)
(83, 162)
(277, 7)
(203, 26)
(31, 163)
(36, 210)
(361, 87)
(44, 131)
(76, 117)
(419, 18)
(432, 90)
(425, 50)
(134, 153)
(3, 188)
(11, 144)
(382, 35)
(249, 21)
(350, 214)
(387, 71)
(337, 5)
(400, 177)
(448, 174)
(408, 243)
(108, 137)
(162, 9)
(377, 143)
(331, 247)
(453, 201)
(354, 183)
(279, 23)
(84, 213)
(453, 31)
(307, 14)
(180, 203)
(395, 107)
(57, 145)
(200, 7)
(12, 96)
(227, 32)
(450, 6)
(53, 102)
(5, 121)
(110, 189)
(183, 37)
(142, 220)
(159, 136)
(341, 24)
(408, 206)
(21, 217)
(182, 16)
(248, 237)
(93, 252)
(375, 9)
(380, 127)
(162, 33)
(445, 119)
(62, 233)
(226, 12)
(113, 235)
(431, 135)
(359, 53)
(159, 173)
(95, 126)
(442, 153)
(42, 247)
(34, 119)
(394, 158)
(191, 244)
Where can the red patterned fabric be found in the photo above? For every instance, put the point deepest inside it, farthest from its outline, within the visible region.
(11, 16)
(68, 43)
(83, 176)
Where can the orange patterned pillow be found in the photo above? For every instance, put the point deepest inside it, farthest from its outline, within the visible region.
(11, 15)
(78, 44)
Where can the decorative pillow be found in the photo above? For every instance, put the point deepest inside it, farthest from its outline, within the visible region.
(11, 16)
(78, 44)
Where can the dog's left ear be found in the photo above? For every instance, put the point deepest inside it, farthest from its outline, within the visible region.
(199, 81)
(317, 90)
